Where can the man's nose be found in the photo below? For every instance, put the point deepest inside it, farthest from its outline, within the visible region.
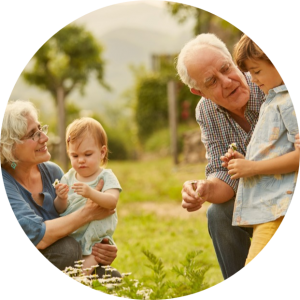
(226, 81)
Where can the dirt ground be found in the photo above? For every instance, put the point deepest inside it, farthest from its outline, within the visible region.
(172, 210)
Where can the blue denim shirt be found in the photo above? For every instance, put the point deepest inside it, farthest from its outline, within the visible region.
(261, 198)
(30, 215)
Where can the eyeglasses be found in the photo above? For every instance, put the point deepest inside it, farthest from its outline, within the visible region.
(37, 135)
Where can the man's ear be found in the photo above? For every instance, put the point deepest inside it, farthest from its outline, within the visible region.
(196, 92)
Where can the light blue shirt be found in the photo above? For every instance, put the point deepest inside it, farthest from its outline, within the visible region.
(91, 233)
(261, 198)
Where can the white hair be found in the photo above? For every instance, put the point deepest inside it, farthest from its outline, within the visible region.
(204, 39)
(14, 127)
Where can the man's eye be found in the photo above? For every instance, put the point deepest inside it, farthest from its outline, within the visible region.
(213, 82)
(257, 72)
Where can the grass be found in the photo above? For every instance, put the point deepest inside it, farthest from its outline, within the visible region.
(151, 218)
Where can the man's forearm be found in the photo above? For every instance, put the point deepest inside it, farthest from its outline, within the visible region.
(220, 191)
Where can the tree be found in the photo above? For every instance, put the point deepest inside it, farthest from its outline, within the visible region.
(62, 64)
(205, 22)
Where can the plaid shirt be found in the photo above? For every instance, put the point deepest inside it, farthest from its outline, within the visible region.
(219, 130)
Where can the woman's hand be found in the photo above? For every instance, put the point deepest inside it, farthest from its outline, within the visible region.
(95, 212)
(104, 253)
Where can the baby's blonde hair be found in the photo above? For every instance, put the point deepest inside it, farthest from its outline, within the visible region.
(79, 128)
(246, 49)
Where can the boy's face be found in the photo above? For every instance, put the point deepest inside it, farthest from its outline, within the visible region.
(263, 74)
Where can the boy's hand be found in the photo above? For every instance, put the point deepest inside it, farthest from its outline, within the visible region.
(82, 189)
(62, 190)
(240, 168)
(231, 154)
(297, 141)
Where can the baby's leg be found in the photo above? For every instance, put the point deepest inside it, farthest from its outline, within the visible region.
(89, 260)
(262, 234)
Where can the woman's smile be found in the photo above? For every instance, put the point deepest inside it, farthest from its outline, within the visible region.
(42, 149)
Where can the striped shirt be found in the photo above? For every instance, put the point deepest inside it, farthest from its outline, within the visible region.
(219, 130)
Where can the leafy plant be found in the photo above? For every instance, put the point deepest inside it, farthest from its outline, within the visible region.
(154, 287)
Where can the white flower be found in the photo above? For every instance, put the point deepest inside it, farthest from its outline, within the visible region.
(233, 146)
(55, 183)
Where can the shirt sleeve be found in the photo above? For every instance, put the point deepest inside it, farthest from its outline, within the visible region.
(111, 181)
(32, 224)
(289, 119)
(215, 148)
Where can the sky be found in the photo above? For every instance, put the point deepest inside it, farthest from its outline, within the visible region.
(159, 3)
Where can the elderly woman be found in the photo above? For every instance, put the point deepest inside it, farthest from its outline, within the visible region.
(28, 177)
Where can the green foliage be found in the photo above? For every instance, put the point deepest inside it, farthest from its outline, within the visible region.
(193, 274)
(156, 286)
(151, 111)
(152, 108)
(66, 60)
(159, 285)
(116, 142)
(205, 22)
(62, 64)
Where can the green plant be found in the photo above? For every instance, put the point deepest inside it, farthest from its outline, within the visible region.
(153, 287)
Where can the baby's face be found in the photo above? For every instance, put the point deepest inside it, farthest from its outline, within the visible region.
(86, 157)
(264, 74)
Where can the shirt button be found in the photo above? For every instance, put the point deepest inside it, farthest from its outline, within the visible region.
(289, 192)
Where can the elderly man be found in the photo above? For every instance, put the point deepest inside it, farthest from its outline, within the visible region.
(227, 113)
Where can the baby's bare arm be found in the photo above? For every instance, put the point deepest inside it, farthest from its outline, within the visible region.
(107, 199)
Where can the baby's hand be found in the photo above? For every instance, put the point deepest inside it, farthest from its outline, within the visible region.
(62, 190)
(82, 189)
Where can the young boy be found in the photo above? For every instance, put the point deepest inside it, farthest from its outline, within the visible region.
(269, 172)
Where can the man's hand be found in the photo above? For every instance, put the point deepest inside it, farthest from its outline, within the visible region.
(194, 194)
(104, 253)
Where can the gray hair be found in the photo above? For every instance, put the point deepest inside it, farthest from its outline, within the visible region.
(14, 127)
(204, 39)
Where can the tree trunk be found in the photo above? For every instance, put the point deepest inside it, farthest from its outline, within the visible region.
(63, 158)
(173, 119)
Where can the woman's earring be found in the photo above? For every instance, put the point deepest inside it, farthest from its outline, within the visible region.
(13, 165)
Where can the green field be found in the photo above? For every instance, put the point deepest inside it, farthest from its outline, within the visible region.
(151, 218)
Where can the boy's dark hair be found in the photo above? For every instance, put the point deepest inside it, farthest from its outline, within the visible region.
(246, 49)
